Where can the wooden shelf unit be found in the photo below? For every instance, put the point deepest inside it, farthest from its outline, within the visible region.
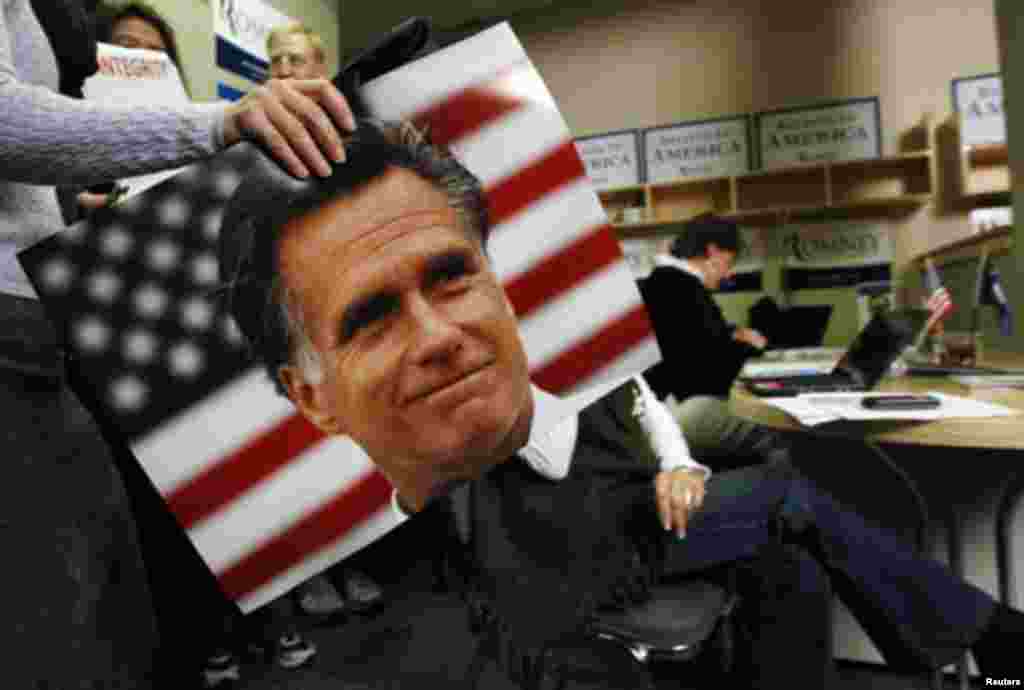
(767, 197)
(997, 241)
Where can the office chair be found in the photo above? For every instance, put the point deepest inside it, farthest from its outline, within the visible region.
(634, 641)
(639, 644)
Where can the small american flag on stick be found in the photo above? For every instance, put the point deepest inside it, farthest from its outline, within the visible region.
(939, 302)
(265, 498)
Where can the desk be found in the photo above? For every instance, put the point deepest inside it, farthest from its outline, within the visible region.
(992, 433)
(1006, 433)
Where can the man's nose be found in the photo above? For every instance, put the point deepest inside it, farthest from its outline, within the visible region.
(437, 337)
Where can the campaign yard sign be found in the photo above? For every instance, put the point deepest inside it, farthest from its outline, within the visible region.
(840, 131)
(831, 255)
(707, 148)
(133, 76)
(611, 160)
(979, 103)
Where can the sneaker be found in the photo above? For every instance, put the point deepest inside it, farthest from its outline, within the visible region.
(294, 651)
(318, 597)
(361, 593)
(221, 670)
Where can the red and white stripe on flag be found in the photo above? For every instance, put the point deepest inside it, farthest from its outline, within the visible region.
(581, 315)
(266, 499)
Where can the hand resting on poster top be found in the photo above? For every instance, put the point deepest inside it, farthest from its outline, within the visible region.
(298, 121)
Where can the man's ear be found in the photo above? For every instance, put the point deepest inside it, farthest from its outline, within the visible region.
(309, 398)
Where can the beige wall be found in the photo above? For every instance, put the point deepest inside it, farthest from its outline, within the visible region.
(193, 24)
(659, 62)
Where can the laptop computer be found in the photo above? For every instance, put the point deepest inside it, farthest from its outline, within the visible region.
(802, 326)
(866, 361)
(790, 327)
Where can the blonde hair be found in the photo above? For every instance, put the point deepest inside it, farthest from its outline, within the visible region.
(296, 27)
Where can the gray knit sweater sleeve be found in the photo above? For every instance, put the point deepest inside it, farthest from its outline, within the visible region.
(46, 138)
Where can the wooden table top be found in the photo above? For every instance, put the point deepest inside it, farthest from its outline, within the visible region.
(988, 432)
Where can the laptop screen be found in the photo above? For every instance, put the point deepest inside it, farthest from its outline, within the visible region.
(803, 326)
(880, 343)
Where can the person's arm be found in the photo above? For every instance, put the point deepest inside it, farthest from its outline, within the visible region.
(664, 434)
(47, 138)
(751, 337)
(717, 355)
(679, 486)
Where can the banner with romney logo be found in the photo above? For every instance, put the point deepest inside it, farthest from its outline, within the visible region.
(241, 28)
(832, 255)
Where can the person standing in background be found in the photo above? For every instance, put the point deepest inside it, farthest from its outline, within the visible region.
(296, 52)
(138, 25)
(131, 25)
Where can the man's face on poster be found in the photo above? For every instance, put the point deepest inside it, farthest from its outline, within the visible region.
(420, 357)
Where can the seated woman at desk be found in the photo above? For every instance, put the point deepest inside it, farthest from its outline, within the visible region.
(702, 352)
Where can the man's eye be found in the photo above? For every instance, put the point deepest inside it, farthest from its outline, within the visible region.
(449, 269)
(367, 316)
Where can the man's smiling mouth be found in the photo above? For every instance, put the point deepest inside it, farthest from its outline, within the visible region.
(446, 385)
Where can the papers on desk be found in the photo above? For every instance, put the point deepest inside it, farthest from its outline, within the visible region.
(812, 409)
(991, 380)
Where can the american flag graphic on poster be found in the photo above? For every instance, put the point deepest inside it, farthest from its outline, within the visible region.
(265, 498)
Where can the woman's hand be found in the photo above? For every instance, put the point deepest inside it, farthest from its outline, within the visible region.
(297, 120)
(679, 494)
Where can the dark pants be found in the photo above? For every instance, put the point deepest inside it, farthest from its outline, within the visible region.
(915, 610)
(76, 605)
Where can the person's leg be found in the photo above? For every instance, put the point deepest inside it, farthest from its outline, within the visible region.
(220, 666)
(362, 593)
(76, 601)
(917, 613)
(720, 439)
(273, 633)
(783, 621)
(784, 617)
(318, 597)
